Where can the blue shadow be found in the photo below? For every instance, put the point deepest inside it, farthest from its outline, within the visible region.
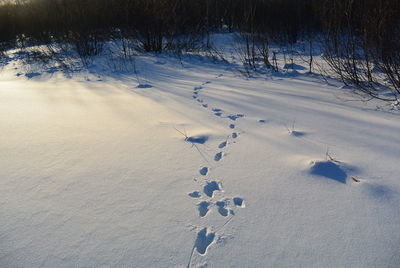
(197, 139)
(330, 170)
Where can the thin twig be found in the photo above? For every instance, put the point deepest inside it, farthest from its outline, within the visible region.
(193, 144)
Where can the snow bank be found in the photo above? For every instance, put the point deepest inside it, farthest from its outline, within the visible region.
(198, 168)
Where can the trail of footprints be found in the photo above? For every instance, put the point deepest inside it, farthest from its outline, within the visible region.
(207, 195)
(208, 199)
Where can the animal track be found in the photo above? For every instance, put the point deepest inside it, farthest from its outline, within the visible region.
(203, 208)
(195, 194)
(218, 156)
(210, 187)
(234, 117)
(205, 237)
(222, 144)
(203, 171)
(239, 202)
(203, 241)
(222, 208)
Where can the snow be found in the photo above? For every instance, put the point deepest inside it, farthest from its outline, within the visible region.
(194, 166)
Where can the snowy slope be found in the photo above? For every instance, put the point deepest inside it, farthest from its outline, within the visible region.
(202, 169)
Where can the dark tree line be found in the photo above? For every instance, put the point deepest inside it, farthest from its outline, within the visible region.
(360, 39)
(158, 24)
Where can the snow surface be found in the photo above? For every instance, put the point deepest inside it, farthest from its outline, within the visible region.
(200, 168)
